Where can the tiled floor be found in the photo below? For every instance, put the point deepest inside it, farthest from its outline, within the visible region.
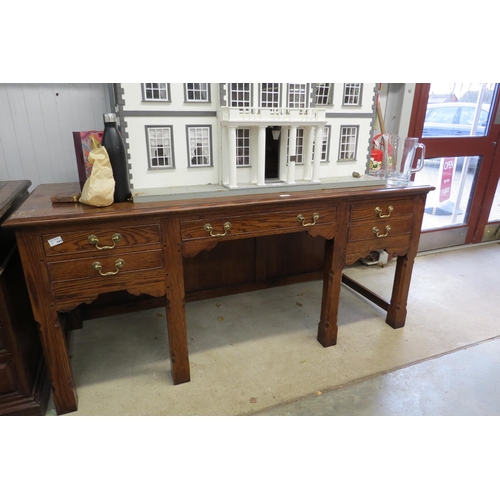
(462, 383)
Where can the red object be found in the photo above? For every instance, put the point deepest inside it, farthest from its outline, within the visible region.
(377, 154)
(446, 179)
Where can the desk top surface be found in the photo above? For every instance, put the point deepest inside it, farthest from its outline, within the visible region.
(38, 209)
(9, 191)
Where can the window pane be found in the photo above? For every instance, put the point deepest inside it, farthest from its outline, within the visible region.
(348, 139)
(454, 179)
(160, 147)
(299, 146)
(270, 95)
(352, 94)
(199, 146)
(495, 207)
(322, 94)
(242, 147)
(297, 95)
(197, 92)
(240, 95)
(156, 91)
(458, 109)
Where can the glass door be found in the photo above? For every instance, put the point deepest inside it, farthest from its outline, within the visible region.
(457, 124)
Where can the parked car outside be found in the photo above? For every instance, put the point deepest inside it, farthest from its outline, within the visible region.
(454, 119)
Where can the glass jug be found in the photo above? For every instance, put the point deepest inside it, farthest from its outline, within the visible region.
(398, 161)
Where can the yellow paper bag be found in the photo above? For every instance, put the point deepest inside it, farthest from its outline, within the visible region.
(99, 188)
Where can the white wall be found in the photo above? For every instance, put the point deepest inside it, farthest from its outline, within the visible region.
(181, 175)
(36, 125)
(396, 100)
(143, 178)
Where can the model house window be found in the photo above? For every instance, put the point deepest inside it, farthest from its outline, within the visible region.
(197, 92)
(160, 147)
(243, 147)
(325, 146)
(270, 95)
(155, 92)
(348, 142)
(240, 95)
(324, 93)
(297, 95)
(299, 146)
(352, 94)
(326, 143)
(199, 146)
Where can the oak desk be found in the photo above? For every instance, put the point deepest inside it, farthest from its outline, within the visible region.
(71, 253)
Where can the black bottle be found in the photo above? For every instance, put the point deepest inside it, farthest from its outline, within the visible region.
(113, 142)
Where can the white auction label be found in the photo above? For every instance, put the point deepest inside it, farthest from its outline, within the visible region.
(55, 241)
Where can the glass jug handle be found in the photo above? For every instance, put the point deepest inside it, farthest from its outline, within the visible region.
(421, 159)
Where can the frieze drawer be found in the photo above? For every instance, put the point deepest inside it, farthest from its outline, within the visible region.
(105, 267)
(382, 209)
(113, 238)
(380, 230)
(249, 225)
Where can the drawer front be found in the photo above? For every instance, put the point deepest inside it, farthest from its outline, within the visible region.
(382, 210)
(380, 230)
(68, 294)
(105, 267)
(253, 225)
(112, 238)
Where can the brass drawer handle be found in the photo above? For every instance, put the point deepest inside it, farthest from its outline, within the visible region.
(209, 229)
(378, 211)
(301, 218)
(93, 240)
(376, 231)
(118, 265)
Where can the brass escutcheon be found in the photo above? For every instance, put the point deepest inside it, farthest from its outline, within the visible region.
(376, 231)
(118, 265)
(209, 229)
(302, 219)
(93, 240)
(378, 211)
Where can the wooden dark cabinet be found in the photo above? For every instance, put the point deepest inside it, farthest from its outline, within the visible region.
(24, 385)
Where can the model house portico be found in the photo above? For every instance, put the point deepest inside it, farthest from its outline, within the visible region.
(241, 135)
(274, 130)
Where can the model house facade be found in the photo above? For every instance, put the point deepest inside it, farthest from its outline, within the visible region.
(240, 135)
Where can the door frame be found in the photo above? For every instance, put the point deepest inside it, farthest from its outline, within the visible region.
(486, 146)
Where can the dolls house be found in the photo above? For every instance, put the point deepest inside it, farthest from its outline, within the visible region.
(234, 136)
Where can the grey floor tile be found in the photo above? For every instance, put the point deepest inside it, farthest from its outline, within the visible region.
(462, 383)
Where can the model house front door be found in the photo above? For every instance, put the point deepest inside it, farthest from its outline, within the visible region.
(273, 136)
